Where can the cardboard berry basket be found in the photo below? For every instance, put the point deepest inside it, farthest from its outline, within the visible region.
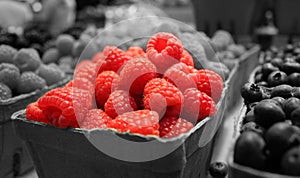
(14, 159)
(237, 170)
(240, 75)
(69, 152)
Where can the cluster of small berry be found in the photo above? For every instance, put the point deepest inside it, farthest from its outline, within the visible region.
(156, 92)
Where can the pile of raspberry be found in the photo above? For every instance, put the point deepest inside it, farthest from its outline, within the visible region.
(156, 92)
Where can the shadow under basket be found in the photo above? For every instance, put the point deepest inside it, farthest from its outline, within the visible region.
(14, 157)
(71, 152)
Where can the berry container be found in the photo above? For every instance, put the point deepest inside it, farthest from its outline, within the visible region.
(14, 158)
(237, 170)
(239, 75)
(70, 152)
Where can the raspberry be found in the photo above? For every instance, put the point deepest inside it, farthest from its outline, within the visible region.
(103, 86)
(209, 82)
(86, 69)
(136, 51)
(7, 53)
(34, 113)
(168, 91)
(5, 92)
(114, 59)
(30, 82)
(187, 58)
(173, 126)
(27, 59)
(64, 43)
(51, 56)
(9, 75)
(50, 73)
(98, 57)
(135, 74)
(197, 105)
(65, 107)
(69, 84)
(164, 50)
(179, 76)
(118, 103)
(95, 118)
(144, 122)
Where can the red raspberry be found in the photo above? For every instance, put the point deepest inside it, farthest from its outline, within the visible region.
(34, 113)
(168, 91)
(173, 126)
(118, 103)
(103, 86)
(98, 57)
(197, 105)
(187, 58)
(164, 49)
(136, 51)
(114, 59)
(209, 82)
(144, 122)
(173, 111)
(63, 107)
(86, 69)
(95, 118)
(179, 76)
(69, 84)
(135, 74)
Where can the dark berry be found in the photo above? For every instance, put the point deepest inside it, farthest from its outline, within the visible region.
(252, 126)
(284, 91)
(268, 68)
(291, 161)
(218, 169)
(249, 117)
(252, 92)
(22, 43)
(280, 100)
(262, 83)
(290, 105)
(258, 77)
(268, 112)
(291, 67)
(297, 58)
(295, 117)
(294, 79)
(296, 51)
(280, 137)
(277, 62)
(250, 143)
(277, 78)
(288, 59)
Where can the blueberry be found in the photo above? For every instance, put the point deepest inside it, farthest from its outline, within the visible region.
(279, 99)
(252, 92)
(277, 78)
(252, 126)
(297, 58)
(290, 105)
(295, 117)
(249, 117)
(290, 162)
(268, 112)
(268, 68)
(288, 59)
(218, 169)
(263, 83)
(294, 79)
(277, 62)
(284, 91)
(291, 67)
(296, 51)
(249, 150)
(258, 78)
(296, 92)
(280, 137)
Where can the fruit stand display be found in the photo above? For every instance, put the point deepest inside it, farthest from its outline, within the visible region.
(269, 124)
(153, 82)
